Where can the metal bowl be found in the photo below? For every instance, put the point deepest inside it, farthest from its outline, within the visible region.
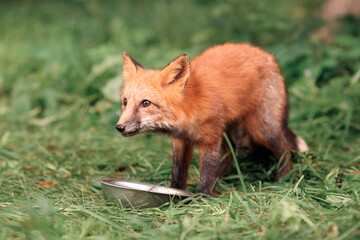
(139, 195)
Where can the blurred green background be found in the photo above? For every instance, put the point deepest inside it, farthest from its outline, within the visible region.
(60, 80)
(55, 52)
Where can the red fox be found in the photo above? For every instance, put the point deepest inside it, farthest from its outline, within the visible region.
(235, 89)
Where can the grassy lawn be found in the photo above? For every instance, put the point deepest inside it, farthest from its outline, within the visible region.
(60, 77)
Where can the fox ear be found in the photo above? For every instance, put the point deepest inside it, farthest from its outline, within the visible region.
(176, 72)
(130, 66)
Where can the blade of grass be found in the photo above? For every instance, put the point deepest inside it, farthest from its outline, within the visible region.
(236, 164)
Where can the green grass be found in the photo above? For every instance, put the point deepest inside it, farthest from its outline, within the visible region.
(57, 122)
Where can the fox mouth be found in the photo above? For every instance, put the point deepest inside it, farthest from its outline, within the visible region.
(131, 133)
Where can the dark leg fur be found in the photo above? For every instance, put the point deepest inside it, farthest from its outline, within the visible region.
(209, 157)
(288, 134)
(182, 156)
(226, 154)
(279, 142)
(285, 142)
(280, 148)
(291, 138)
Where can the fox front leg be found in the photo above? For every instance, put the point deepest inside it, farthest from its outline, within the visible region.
(182, 155)
(209, 158)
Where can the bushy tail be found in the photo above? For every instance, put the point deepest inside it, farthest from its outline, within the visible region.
(301, 144)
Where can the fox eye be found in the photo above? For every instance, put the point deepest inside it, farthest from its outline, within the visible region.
(146, 103)
(124, 102)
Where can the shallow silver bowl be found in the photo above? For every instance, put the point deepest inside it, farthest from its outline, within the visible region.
(139, 194)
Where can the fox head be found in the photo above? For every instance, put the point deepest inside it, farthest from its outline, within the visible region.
(150, 97)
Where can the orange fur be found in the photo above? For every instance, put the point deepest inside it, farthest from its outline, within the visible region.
(230, 88)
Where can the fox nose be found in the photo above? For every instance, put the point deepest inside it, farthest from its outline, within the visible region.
(120, 128)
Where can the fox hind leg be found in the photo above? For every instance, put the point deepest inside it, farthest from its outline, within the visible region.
(226, 156)
(277, 139)
(268, 124)
(240, 142)
(280, 146)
